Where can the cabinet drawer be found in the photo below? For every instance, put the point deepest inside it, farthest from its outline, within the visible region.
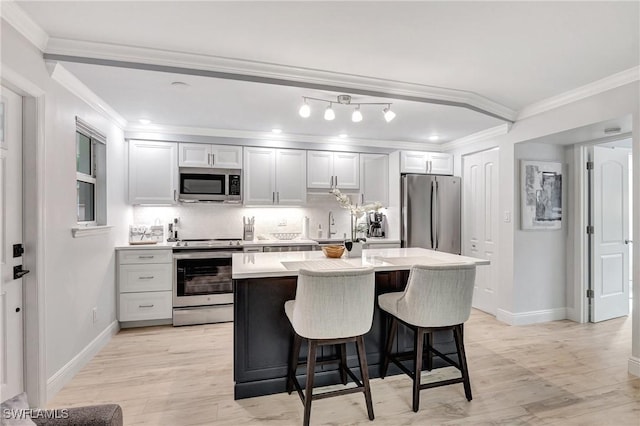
(145, 277)
(145, 306)
(144, 256)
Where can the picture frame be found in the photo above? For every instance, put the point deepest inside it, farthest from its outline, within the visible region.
(541, 195)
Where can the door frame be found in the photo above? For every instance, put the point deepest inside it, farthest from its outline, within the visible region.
(33, 153)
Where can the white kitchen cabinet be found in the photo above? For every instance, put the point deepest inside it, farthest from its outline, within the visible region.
(436, 163)
(274, 176)
(205, 155)
(153, 172)
(144, 285)
(374, 178)
(326, 170)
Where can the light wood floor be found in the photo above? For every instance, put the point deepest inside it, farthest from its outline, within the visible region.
(559, 373)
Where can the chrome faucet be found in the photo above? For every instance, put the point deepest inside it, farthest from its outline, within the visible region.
(332, 222)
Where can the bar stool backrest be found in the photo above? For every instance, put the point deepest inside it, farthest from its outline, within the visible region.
(334, 304)
(438, 296)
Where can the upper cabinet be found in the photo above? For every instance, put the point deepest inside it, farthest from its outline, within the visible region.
(205, 155)
(153, 172)
(327, 170)
(374, 178)
(435, 163)
(274, 176)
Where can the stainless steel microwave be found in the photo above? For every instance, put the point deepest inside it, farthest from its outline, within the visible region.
(203, 184)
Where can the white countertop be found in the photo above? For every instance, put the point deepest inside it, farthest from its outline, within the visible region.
(286, 264)
(254, 243)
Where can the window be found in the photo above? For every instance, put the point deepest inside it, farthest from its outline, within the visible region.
(90, 175)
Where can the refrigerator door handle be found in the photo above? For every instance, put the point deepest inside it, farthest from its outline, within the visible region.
(405, 212)
(436, 213)
(433, 193)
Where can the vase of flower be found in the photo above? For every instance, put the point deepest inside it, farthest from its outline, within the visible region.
(357, 212)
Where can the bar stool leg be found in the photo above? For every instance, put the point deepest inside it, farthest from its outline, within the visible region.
(342, 349)
(429, 361)
(308, 393)
(364, 372)
(393, 329)
(419, 342)
(293, 361)
(462, 359)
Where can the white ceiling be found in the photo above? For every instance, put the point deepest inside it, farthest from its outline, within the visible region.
(513, 53)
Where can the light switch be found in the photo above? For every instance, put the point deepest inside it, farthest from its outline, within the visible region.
(507, 216)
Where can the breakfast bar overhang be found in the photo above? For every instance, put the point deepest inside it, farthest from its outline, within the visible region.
(263, 282)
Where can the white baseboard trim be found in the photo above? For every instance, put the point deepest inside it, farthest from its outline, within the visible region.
(531, 317)
(63, 376)
(634, 366)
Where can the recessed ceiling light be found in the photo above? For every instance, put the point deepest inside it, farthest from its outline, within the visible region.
(144, 121)
(276, 131)
(180, 85)
(343, 135)
(434, 138)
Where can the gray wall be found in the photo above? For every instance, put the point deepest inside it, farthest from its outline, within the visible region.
(540, 256)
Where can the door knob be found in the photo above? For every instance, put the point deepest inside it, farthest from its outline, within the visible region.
(17, 309)
(18, 272)
(628, 241)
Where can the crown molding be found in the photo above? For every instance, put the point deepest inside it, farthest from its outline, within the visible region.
(75, 86)
(608, 83)
(229, 68)
(18, 19)
(208, 135)
(477, 137)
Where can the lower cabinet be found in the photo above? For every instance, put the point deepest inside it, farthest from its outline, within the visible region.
(144, 285)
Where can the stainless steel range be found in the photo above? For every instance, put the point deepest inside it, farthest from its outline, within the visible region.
(202, 284)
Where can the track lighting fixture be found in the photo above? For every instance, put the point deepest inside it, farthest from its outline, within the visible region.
(388, 114)
(356, 115)
(329, 114)
(305, 110)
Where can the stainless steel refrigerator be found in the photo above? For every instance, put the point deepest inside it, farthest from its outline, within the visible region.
(431, 212)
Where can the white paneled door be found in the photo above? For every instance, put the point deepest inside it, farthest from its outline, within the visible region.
(610, 238)
(11, 301)
(480, 223)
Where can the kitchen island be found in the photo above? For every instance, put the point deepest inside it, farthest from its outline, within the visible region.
(262, 333)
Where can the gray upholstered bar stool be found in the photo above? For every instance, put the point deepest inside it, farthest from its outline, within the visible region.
(331, 308)
(435, 298)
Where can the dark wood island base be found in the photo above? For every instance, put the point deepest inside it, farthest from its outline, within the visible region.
(262, 335)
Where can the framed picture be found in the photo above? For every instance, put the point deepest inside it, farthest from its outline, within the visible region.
(3, 121)
(541, 183)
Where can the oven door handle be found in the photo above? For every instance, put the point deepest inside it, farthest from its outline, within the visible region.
(205, 255)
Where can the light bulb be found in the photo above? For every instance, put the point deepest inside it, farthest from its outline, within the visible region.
(305, 110)
(356, 117)
(388, 114)
(329, 114)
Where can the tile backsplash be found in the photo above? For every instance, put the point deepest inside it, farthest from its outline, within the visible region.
(210, 220)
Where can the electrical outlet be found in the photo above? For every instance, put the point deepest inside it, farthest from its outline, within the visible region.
(507, 216)
(94, 313)
(282, 222)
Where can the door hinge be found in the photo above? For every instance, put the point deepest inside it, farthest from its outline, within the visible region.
(590, 294)
(590, 230)
(589, 165)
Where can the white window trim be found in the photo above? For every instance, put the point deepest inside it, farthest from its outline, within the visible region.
(88, 228)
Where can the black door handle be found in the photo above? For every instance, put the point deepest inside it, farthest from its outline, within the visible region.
(18, 272)
(17, 309)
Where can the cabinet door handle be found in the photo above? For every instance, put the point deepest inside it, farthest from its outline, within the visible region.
(278, 197)
(331, 183)
(175, 195)
(273, 197)
(146, 257)
(213, 159)
(209, 159)
(145, 306)
(362, 198)
(149, 277)
(336, 181)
